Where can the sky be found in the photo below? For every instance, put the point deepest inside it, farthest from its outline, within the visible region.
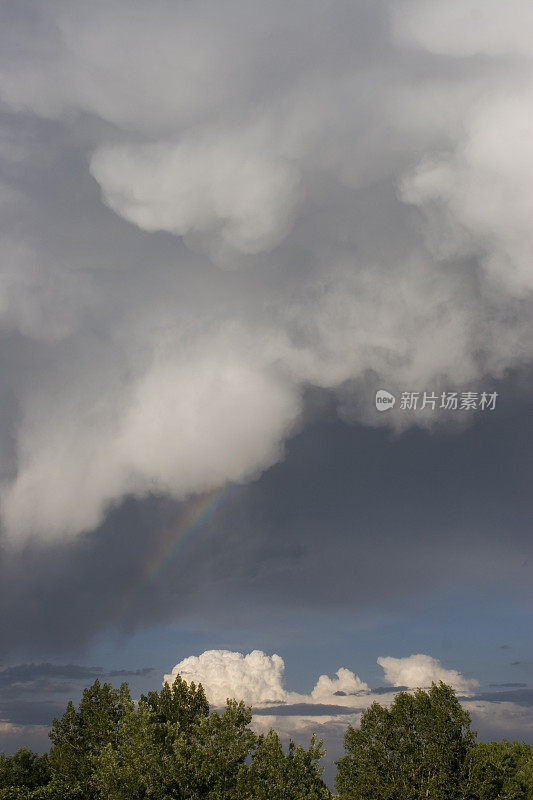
(266, 343)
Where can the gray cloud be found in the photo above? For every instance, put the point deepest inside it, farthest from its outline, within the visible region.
(522, 696)
(267, 540)
(142, 672)
(205, 284)
(180, 265)
(306, 709)
(28, 673)
(507, 685)
(31, 712)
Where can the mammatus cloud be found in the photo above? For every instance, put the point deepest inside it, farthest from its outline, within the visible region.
(421, 671)
(363, 183)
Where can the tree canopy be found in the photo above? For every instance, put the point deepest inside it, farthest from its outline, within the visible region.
(422, 748)
(171, 746)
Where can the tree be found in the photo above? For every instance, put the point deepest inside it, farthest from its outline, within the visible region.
(500, 771)
(208, 761)
(415, 750)
(171, 747)
(25, 769)
(276, 775)
(179, 704)
(136, 766)
(80, 734)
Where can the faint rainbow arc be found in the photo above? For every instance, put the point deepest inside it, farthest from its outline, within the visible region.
(197, 513)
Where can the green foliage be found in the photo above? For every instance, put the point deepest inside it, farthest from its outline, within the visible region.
(136, 765)
(207, 762)
(170, 747)
(499, 771)
(23, 769)
(415, 749)
(54, 790)
(276, 775)
(80, 734)
(181, 704)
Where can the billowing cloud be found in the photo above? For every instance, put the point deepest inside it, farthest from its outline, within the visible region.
(345, 684)
(205, 218)
(333, 704)
(228, 193)
(420, 671)
(466, 28)
(478, 199)
(258, 679)
(255, 678)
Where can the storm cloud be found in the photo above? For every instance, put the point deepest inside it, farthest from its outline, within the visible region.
(197, 233)
(224, 227)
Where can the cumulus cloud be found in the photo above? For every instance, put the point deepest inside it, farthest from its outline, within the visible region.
(363, 184)
(420, 671)
(346, 683)
(333, 704)
(255, 678)
(258, 679)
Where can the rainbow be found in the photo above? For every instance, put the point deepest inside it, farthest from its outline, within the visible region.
(196, 513)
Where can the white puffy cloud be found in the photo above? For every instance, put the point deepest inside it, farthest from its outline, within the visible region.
(346, 683)
(333, 704)
(420, 671)
(258, 679)
(255, 678)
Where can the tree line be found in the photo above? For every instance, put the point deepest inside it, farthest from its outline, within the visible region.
(171, 746)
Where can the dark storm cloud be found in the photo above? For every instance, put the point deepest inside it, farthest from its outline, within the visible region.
(306, 710)
(101, 575)
(507, 685)
(142, 672)
(283, 212)
(278, 539)
(34, 712)
(28, 673)
(207, 283)
(522, 696)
